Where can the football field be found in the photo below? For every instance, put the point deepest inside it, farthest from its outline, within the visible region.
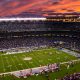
(35, 58)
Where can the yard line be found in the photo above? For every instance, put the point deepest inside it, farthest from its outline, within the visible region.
(8, 63)
(14, 62)
(3, 63)
(17, 59)
(35, 59)
(24, 61)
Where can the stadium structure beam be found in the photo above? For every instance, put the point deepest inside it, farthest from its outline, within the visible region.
(21, 19)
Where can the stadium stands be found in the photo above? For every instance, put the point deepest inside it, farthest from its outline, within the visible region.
(75, 76)
(46, 25)
(32, 33)
(37, 33)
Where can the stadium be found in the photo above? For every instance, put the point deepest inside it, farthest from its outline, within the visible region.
(40, 48)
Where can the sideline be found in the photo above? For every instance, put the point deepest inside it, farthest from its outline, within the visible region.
(36, 68)
(71, 52)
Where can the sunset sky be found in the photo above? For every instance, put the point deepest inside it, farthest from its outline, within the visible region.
(31, 8)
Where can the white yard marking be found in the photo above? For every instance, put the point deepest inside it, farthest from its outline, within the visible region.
(17, 59)
(2, 63)
(25, 62)
(13, 62)
(9, 66)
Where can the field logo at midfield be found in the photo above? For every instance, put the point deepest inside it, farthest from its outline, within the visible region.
(28, 58)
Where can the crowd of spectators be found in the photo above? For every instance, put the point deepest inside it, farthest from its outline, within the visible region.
(65, 42)
(25, 42)
(75, 76)
(37, 26)
(23, 26)
(68, 42)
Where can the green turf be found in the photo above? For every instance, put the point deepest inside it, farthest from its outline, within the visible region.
(55, 75)
(39, 57)
(43, 57)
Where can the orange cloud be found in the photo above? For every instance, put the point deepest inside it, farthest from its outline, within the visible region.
(42, 7)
